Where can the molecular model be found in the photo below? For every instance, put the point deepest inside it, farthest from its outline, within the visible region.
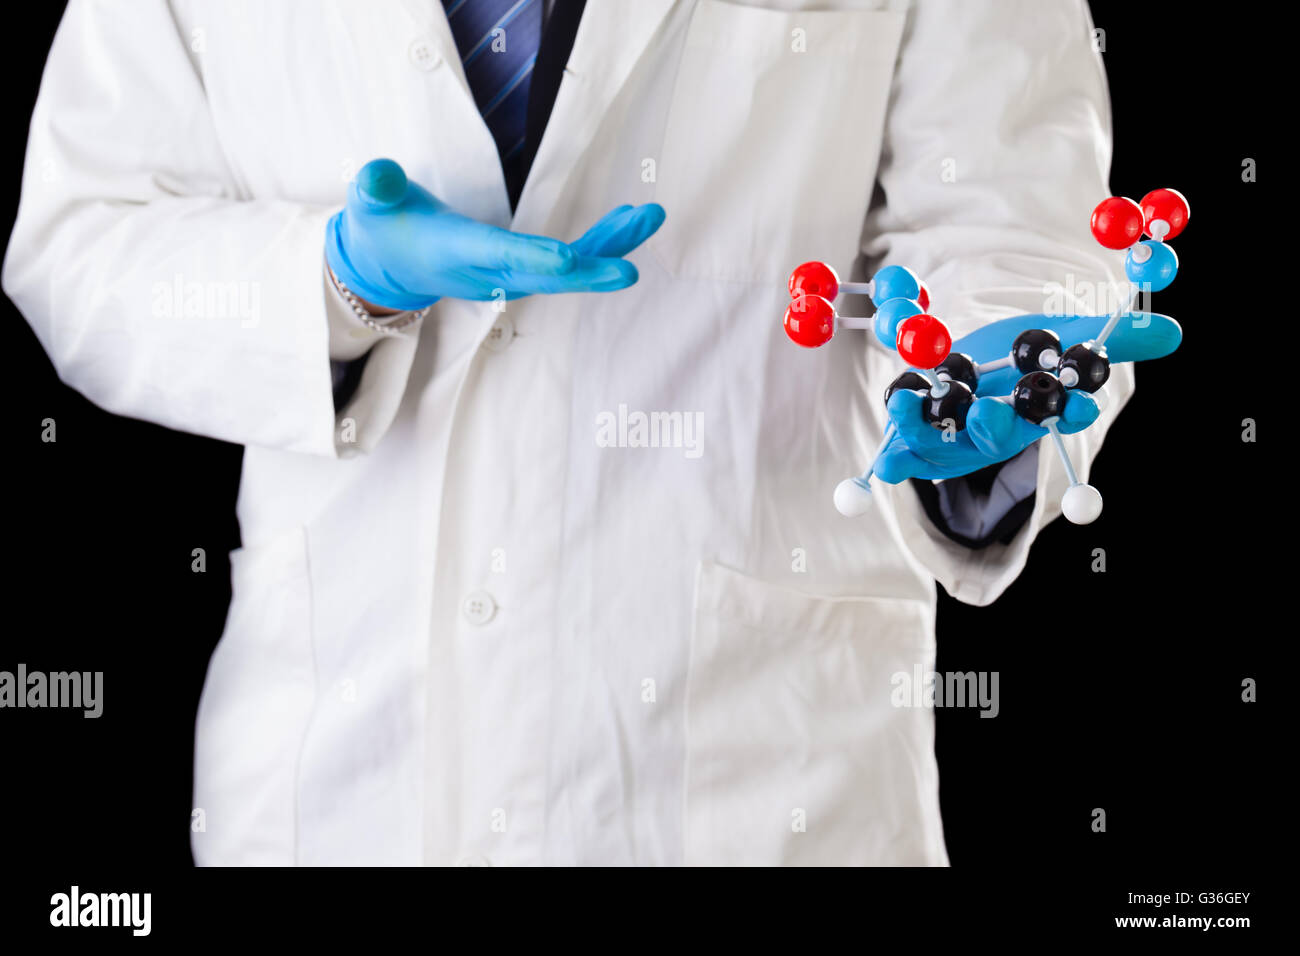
(948, 380)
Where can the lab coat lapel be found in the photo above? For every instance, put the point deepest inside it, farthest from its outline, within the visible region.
(431, 15)
(612, 36)
(471, 155)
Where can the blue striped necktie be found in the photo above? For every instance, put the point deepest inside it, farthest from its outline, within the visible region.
(498, 42)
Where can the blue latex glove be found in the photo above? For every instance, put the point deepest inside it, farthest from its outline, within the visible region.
(994, 432)
(396, 245)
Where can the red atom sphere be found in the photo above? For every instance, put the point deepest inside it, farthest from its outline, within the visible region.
(810, 321)
(923, 341)
(1117, 222)
(923, 300)
(814, 278)
(1169, 205)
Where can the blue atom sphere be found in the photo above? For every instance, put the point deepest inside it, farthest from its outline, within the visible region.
(891, 312)
(1157, 271)
(896, 282)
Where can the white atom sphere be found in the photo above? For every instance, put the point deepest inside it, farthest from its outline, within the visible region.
(1081, 504)
(852, 498)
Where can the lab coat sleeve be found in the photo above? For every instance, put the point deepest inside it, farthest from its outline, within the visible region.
(159, 288)
(997, 148)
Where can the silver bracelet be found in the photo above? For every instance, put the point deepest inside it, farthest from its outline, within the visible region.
(395, 325)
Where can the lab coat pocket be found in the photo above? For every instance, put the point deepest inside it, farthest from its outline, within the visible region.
(256, 703)
(796, 752)
(772, 138)
(270, 608)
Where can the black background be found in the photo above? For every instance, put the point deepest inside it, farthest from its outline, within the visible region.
(1119, 690)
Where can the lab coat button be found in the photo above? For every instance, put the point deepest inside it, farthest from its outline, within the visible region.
(478, 607)
(500, 335)
(423, 54)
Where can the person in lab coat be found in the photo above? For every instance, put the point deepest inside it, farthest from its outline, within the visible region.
(479, 616)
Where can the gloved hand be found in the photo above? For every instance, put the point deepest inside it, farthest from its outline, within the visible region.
(994, 432)
(396, 245)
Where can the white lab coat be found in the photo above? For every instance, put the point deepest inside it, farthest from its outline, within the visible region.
(463, 629)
